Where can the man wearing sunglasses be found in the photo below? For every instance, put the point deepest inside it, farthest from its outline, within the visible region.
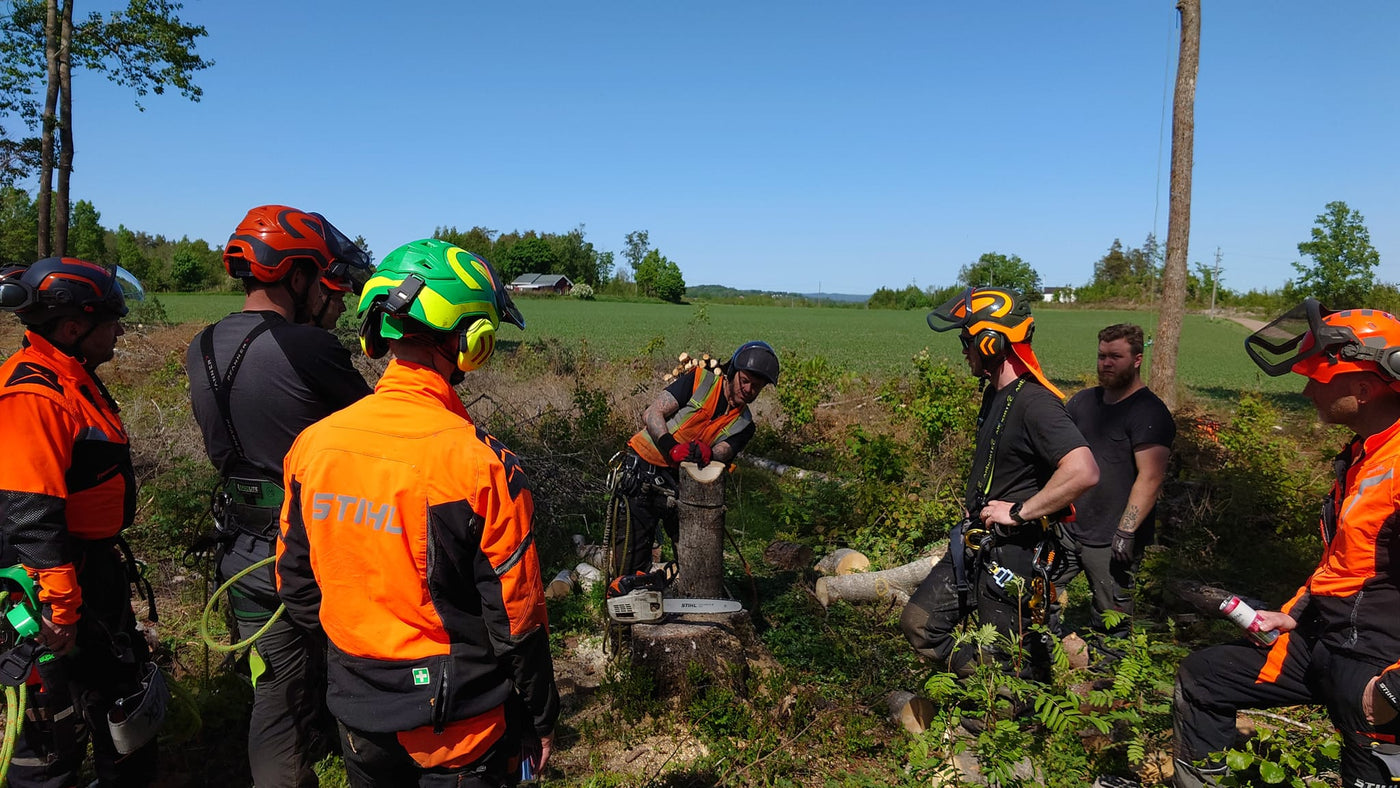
(1029, 462)
(257, 379)
(1338, 638)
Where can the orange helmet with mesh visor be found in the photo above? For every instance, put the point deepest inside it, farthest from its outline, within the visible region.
(978, 309)
(272, 239)
(1318, 343)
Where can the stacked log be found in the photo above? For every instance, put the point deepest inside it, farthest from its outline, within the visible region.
(686, 362)
(561, 586)
(787, 556)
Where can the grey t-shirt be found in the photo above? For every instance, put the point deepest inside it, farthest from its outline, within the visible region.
(291, 376)
(1114, 433)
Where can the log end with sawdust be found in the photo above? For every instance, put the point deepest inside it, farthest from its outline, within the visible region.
(843, 561)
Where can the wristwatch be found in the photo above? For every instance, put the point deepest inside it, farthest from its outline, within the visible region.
(1016, 513)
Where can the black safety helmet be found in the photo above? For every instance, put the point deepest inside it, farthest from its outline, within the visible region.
(756, 357)
(58, 287)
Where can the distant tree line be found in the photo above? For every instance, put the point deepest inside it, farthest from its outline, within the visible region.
(1340, 274)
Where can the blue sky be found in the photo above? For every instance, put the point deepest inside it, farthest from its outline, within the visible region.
(773, 145)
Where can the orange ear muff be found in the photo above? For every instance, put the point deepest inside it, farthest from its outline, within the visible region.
(475, 345)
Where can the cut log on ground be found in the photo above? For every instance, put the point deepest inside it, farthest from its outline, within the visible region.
(594, 554)
(910, 710)
(779, 469)
(561, 586)
(787, 556)
(588, 576)
(843, 562)
(889, 585)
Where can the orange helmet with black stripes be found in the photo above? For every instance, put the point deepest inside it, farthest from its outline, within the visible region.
(1320, 344)
(61, 287)
(990, 319)
(272, 239)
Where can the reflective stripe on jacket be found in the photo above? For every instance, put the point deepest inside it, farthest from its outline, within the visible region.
(406, 536)
(68, 467)
(1351, 597)
(696, 421)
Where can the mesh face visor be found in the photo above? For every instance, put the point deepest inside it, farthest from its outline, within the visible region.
(1296, 335)
(350, 265)
(952, 313)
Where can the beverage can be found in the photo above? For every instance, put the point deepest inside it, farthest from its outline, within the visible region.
(1247, 618)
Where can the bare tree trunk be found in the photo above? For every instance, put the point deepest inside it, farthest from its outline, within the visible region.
(700, 549)
(1173, 308)
(49, 121)
(65, 130)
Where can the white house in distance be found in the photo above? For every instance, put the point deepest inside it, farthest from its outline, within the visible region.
(1058, 295)
(542, 283)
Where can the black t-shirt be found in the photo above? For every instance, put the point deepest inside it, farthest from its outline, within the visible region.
(683, 388)
(291, 376)
(1031, 433)
(1114, 432)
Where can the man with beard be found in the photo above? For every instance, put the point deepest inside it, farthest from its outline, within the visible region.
(1130, 431)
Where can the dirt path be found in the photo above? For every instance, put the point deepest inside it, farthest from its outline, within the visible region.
(1249, 323)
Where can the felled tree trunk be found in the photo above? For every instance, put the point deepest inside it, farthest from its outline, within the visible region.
(843, 562)
(890, 585)
(700, 549)
(787, 555)
(561, 586)
(594, 554)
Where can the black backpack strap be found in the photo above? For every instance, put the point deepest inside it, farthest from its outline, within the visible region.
(223, 388)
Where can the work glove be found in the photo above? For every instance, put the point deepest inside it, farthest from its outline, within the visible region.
(1123, 546)
(695, 451)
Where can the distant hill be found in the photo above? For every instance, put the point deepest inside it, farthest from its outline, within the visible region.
(723, 291)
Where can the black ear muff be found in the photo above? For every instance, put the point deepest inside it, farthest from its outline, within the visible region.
(1390, 362)
(990, 345)
(372, 342)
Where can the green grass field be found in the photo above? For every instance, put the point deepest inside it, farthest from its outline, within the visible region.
(871, 342)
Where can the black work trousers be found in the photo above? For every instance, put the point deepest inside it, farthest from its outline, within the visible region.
(936, 608)
(1214, 683)
(290, 728)
(378, 760)
(105, 666)
(1110, 583)
(648, 508)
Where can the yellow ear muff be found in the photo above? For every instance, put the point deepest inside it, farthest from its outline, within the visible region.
(476, 345)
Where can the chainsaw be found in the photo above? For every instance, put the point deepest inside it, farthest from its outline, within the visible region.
(640, 599)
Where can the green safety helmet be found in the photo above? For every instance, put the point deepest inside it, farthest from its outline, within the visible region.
(431, 286)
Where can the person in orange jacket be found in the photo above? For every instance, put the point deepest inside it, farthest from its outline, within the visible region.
(1338, 637)
(407, 538)
(714, 423)
(69, 491)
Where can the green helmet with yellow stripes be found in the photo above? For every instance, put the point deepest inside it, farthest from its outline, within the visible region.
(432, 286)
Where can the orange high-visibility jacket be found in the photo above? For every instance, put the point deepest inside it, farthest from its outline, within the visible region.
(68, 468)
(695, 421)
(406, 537)
(1351, 598)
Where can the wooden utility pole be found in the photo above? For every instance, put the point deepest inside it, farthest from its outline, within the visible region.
(1214, 282)
(1173, 308)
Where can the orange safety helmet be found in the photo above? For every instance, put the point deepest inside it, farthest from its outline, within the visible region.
(995, 322)
(272, 239)
(1320, 344)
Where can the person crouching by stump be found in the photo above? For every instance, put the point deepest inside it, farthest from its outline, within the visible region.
(713, 425)
(1028, 464)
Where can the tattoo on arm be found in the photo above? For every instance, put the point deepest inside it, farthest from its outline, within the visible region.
(1130, 519)
(655, 416)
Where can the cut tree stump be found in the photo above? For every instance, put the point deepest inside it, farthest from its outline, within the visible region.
(724, 645)
(787, 556)
(889, 585)
(843, 562)
(910, 710)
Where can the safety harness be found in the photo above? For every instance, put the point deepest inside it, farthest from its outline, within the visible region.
(977, 541)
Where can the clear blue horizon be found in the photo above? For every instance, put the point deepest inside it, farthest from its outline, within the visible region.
(779, 146)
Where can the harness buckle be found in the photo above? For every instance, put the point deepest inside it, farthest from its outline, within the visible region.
(1000, 574)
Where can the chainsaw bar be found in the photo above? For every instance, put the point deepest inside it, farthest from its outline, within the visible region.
(644, 606)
